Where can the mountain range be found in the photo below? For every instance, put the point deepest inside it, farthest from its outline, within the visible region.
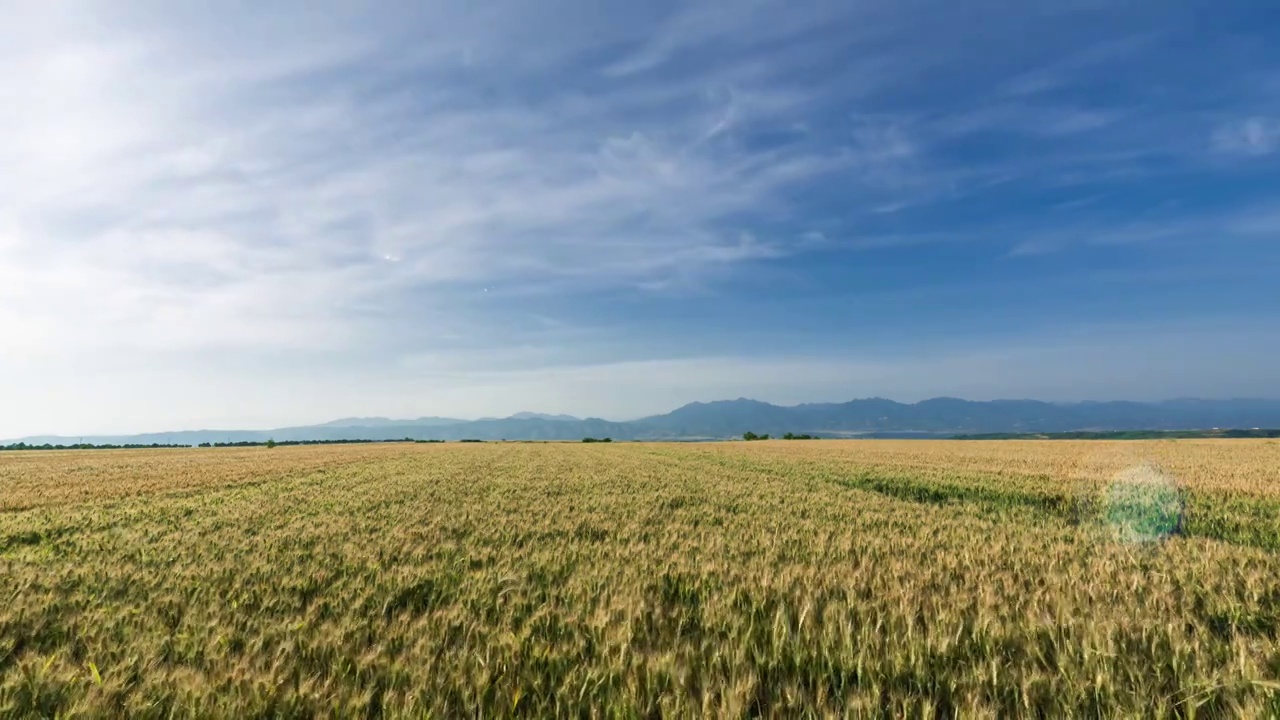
(873, 417)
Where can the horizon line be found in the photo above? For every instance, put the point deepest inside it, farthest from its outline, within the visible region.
(464, 421)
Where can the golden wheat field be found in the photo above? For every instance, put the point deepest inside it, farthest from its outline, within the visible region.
(779, 579)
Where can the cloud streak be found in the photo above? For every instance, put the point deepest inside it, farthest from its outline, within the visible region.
(324, 185)
(273, 194)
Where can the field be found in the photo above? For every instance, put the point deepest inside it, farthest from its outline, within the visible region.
(780, 579)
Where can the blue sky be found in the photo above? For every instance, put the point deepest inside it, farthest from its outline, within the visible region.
(239, 216)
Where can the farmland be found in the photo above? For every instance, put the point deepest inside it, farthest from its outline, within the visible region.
(774, 578)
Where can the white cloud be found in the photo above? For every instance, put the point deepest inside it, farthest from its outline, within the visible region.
(698, 24)
(173, 182)
(212, 204)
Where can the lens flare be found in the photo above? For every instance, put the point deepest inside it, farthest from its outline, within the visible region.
(1143, 504)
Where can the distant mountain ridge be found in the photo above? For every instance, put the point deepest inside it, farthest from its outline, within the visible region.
(535, 416)
(730, 418)
(388, 422)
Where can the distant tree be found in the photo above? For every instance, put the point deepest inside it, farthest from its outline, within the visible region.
(271, 443)
(748, 435)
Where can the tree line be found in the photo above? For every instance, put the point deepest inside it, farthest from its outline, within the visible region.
(86, 446)
(239, 444)
(788, 436)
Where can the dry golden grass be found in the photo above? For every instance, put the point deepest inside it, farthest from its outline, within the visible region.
(779, 579)
(1247, 466)
(34, 479)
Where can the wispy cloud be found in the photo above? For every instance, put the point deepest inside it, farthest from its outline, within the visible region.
(298, 184)
(1255, 136)
(276, 194)
(1074, 66)
(1221, 227)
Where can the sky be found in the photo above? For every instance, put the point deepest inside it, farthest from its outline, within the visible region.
(251, 215)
